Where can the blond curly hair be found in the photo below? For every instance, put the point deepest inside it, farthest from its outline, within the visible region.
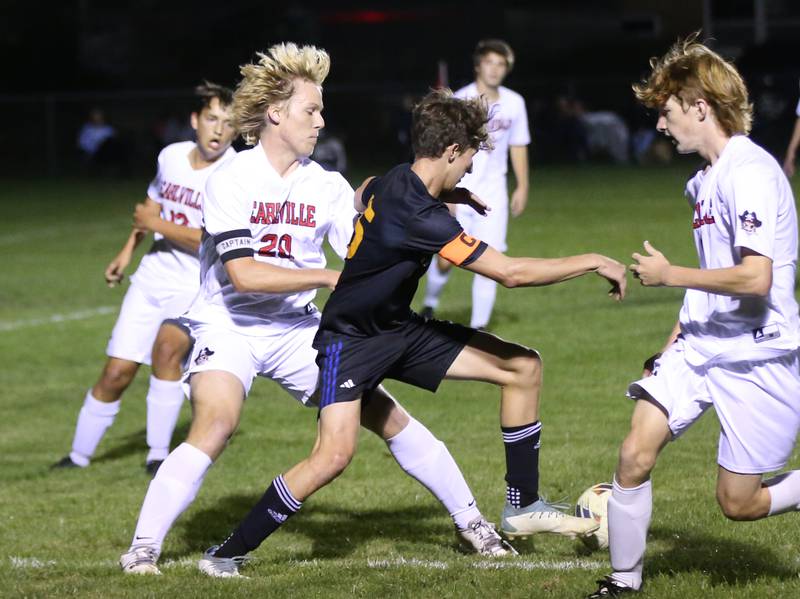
(690, 71)
(270, 81)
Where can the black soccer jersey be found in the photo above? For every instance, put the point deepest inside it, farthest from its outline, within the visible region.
(392, 246)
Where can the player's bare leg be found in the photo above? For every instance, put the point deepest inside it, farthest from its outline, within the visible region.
(100, 408)
(426, 459)
(165, 394)
(631, 501)
(517, 370)
(217, 401)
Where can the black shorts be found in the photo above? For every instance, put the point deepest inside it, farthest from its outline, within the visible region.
(419, 353)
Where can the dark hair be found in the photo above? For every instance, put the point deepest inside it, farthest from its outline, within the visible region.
(440, 119)
(207, 91)
(493, 45)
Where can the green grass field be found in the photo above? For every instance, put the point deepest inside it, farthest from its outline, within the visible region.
(373, 532)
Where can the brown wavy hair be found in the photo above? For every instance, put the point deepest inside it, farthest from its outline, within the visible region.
(207, 91)
(271, 81)
(493, 45)
(690, 71)
(440, 119)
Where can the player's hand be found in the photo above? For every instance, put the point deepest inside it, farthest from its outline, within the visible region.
(615, 273)
(788, 165)
(114, 272)
(651, 270)
(144, 216)
(519, 199)
(461, 195)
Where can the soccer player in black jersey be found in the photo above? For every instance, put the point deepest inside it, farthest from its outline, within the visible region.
(369, 332)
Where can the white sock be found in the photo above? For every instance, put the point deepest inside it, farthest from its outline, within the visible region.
(425, 458)
(164, 401)
(629, 512)
(484, 291)
(93, 420)
(435, 284)
(171, 491)
(784, 491)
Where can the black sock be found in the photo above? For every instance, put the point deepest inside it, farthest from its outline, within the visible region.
(273, 509)
(522, 463)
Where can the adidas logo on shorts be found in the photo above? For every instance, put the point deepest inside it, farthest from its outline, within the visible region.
(348, 384)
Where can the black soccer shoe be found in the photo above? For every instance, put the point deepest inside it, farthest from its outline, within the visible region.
(64, 463)
(609, 588)
(152, 466)
(426, 313)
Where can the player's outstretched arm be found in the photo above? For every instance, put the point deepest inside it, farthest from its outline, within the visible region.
(536, 272)
(147, 217)
(251, 276)
(752, 277)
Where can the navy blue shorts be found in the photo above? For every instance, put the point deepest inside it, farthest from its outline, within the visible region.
(419, 353)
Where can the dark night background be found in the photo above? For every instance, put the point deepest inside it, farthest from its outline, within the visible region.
(138, 61)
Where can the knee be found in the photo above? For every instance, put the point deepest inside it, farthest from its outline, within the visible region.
(333, 461)
(527, 369)
(117, 376)
(737, 508)
(168, 352)
(211, 433)
(636, 461)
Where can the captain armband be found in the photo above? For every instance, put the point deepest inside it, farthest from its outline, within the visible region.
(463, 250)
(234, 244)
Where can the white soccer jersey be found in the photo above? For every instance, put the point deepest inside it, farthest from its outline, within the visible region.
(508, 126)
(742, 201)
(250, 210)
(179, 189)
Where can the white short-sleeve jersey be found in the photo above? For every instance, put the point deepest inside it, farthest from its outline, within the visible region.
(250, 210)
(179, 189)
(742, 201)
(507, 126)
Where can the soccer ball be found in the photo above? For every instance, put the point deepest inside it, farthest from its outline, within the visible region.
(594, 504)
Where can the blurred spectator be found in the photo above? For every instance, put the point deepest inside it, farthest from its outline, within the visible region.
(101, 149)
(569, 137)
(94, 133)
(607, 133)
(791, 151)
(330, 153)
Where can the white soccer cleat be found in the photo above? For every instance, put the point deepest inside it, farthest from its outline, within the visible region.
(540, 517)
(480, 537)
(140, 559)
(220, 567)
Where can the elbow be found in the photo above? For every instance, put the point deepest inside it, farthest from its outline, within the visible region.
(760, 286)
(509, 279)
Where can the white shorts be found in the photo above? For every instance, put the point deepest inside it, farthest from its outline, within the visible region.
(491, 228)
(284, 354)
(757, 403)
(140, 316)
